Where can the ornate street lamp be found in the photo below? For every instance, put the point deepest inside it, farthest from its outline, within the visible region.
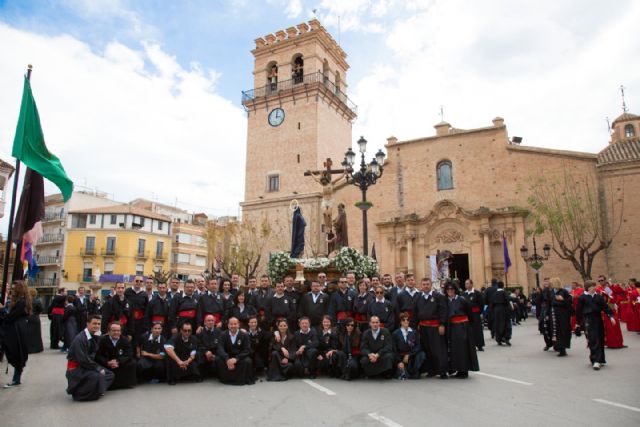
(536, 261)
(363, 178)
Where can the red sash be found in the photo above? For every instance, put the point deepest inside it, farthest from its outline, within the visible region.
(123, 320)
(341, 315)
(138, 314)
(355, 351)
(459, 319)
(216, 317)
(433, 323)
(71, 365)
(159, 318)
(362, 318)
(58, 310)
(475, 309)
(187, 313)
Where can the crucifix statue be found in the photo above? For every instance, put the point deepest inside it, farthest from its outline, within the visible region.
(335, 230)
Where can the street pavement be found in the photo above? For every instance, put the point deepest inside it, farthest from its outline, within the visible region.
(517, 386)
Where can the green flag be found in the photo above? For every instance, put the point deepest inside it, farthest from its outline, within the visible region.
(29, 146)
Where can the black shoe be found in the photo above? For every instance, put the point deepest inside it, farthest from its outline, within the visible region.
(508, 343)
(171, 383)
(312, 377)
(199, 379)
(546, 348)
(462, 375)
(480, 349)
(431, 375)
(444, 376)
(562, 353)
(499, 342)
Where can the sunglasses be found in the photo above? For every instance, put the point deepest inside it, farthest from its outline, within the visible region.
(138, 281)
(379, 293)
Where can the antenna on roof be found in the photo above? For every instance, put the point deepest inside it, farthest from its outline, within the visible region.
(624, 104)
(442, 113)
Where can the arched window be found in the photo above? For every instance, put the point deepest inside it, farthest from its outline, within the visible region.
(337, 82)
(629, 131)
(297, 71)
(272, 76)
(445, 175)
(325, 71)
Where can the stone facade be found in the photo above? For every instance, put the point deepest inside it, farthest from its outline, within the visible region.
(411, 217)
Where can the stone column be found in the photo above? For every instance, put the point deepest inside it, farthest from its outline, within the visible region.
(486, 240)
(410, 265)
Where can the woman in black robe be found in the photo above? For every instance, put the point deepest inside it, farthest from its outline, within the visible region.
(348, 351)
(283, 354)
(34, 339)
(500, 314)
(361, 306)
(15, 330)
(327, 346)
(243, 311)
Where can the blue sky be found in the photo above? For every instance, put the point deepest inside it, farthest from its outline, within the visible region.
(141, 98)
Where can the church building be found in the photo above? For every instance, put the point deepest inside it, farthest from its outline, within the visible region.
(459, 190)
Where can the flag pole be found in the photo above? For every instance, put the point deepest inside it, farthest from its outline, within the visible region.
(7, 252)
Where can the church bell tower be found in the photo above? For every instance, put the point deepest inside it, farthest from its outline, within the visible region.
(298, 113)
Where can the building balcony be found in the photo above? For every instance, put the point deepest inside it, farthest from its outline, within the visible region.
(88, 252)
(108, 252)
(160, 256)
(142, 255)
(308, 81)
(46, 283)
(51, 238)
(48, 260)
(85, 279)
(54, 216)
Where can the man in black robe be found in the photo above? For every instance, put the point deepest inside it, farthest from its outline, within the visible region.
(208, 340)
(314, 305)
(561, 307)
(279, 306)
(56, 314)
(341, 302)
(182, 350)
(114, 352)
(260, 301)
(500, 308)
(476, 302)
(462, 350)
(210, 303)
(82, 308)
(184, 308)
(117, 309)
(260, 341)
(376, 350)
(589, 318)
(407, 298)
(234, 356)
(137, 298)
(157, 311)
(86, 379)
(151, 355)
(306, 343)
(430, 318)
(382, 309)
(488, 297)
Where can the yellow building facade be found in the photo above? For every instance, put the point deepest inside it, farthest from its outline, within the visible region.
(109, 244)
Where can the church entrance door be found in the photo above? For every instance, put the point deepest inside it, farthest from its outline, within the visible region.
(459, 267)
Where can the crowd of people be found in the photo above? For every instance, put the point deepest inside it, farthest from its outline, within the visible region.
(374, 327)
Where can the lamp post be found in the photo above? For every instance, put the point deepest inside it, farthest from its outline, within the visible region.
(363, 178)
(536, 261)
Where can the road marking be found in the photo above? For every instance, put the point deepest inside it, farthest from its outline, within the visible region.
(319, 387)
(619, 405)
(384, 420)
(498, 377)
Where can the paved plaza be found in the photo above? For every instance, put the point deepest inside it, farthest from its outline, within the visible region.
(517, 386)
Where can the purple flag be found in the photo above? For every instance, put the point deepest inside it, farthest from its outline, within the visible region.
(505, 252)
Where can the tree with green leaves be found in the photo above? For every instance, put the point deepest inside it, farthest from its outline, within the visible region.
(582, 215)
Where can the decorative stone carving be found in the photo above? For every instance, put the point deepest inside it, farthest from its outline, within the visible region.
(450, 236)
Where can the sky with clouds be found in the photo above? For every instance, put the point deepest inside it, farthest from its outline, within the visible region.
(142, 98)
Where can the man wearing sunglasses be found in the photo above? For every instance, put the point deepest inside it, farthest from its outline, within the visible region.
(137, 299)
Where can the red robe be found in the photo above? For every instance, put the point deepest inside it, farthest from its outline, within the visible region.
(575, 294)
(612, 333)
(633, 320)
(621, 299)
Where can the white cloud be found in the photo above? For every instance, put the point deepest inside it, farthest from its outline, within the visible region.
(129, 122)
(293, 9)
(552, 72)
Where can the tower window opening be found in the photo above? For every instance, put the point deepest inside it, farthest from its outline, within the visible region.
(272, 76)
(445, 175)
(273, 183)
(297, 71)
(629, 131)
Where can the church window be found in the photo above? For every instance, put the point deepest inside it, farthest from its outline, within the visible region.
(629, 131)
(445, 175)
(272, 76)
(297, 72)
(273, 183)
